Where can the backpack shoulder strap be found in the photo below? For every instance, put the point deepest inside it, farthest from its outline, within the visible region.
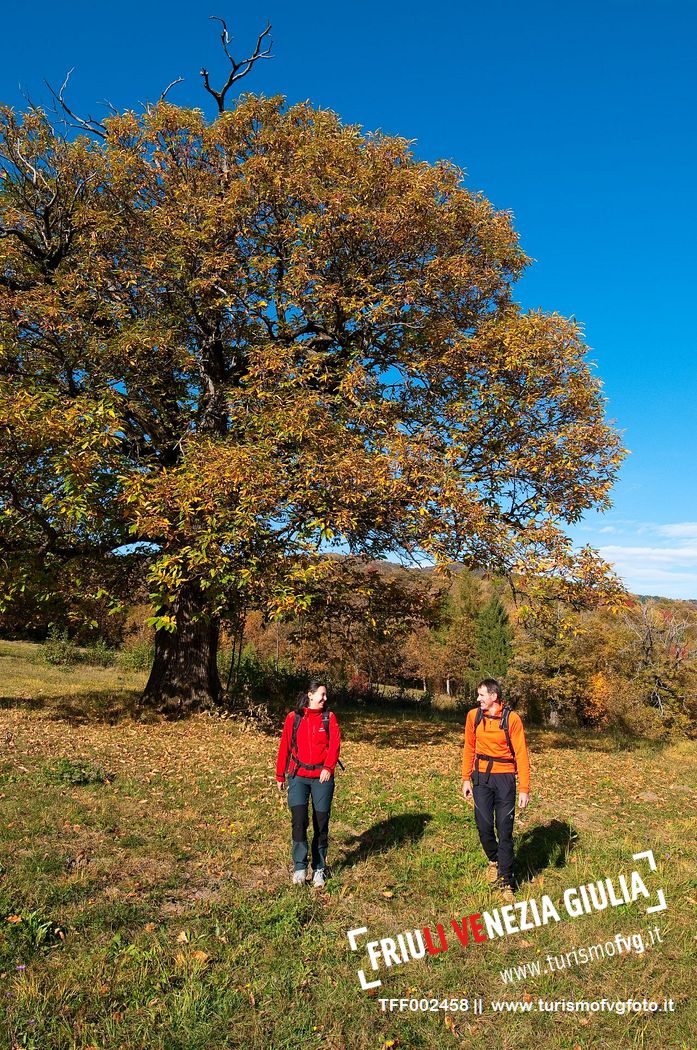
(503, 724)
(477, 718)
(294, 738)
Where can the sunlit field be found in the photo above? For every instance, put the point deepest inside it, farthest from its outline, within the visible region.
(146, 898)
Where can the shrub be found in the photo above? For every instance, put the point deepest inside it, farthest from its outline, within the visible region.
(137, 656)
(402, 695)
(629, 714)
(79, 772)
(409, 698)
(360, 687)
(100, 654)
(59, 650)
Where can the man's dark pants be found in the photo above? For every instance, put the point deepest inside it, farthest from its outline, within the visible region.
(494, 798)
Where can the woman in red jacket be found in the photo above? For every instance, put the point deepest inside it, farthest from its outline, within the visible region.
(308, 753)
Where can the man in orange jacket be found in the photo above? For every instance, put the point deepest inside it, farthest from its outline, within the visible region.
(495, 748)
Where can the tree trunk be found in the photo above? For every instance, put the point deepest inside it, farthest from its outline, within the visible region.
(184, 675)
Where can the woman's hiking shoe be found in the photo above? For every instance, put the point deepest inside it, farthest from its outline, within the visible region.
(318, 879)
(505, 888)
(492, 871)
(299, 877)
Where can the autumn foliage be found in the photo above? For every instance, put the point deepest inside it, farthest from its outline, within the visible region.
(229, 345)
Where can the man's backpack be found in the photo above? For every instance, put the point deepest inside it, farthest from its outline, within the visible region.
(292, 753)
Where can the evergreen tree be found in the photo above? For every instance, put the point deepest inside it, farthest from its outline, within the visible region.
(494, 636)
(460, 640)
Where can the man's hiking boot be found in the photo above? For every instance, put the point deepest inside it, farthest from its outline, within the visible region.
(491, 871)
(505, 889)
(318, 879)
(299, 877)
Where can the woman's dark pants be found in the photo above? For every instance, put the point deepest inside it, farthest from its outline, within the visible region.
(494, 798)
(299, 791)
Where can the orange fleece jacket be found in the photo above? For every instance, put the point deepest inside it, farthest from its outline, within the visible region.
(491, 740)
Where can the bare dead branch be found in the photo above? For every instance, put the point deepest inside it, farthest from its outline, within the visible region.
(29, 100)
(237, 69)
(163, 96)
(95, 127)
(110, 106)
(35, 175)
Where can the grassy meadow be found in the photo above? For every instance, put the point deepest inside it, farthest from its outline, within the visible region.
(145, 897)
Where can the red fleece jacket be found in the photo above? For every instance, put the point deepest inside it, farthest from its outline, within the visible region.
(311, 744)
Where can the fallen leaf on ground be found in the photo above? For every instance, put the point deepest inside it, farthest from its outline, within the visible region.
(449, 1023)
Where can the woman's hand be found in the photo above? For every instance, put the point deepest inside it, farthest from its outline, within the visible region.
(324, 776)
(280, 784)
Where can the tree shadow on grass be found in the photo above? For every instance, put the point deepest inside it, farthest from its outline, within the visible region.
(399, 728)
(108, 706)
(395, 831)
(544, 846)
(619, 738)
(29, 703)
(389, 726)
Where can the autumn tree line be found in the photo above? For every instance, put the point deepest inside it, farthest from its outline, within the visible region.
(632, 667)
(383, 634)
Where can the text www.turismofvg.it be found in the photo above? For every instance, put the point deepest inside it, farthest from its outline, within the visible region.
(620, 944)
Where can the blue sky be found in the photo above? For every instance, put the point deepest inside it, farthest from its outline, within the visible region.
(580, 119)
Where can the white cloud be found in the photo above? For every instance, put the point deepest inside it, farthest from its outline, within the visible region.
(652, 555)
(663, 562)
(680, 530)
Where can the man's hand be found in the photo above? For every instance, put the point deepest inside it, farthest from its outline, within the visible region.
(522, 800)
(280, 784)
(324, 776)
(466, 790)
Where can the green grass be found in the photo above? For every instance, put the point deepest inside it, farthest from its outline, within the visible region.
(151, 907)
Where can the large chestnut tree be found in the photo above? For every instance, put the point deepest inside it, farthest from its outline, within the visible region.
(227, 345)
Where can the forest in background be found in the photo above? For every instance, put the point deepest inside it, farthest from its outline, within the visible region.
(388, 634)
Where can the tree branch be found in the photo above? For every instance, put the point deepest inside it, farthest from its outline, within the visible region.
(173, 83)
(90, 124)
(237, 69)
